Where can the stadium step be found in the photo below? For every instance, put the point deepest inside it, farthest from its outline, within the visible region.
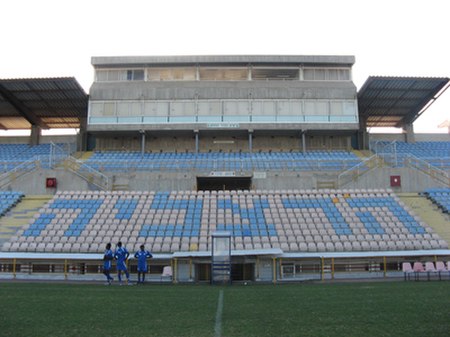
(363, 154)
(84, 155)
(120, 187)
(429, 213)
(21, 215)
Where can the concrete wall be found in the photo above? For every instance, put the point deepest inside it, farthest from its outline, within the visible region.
(419, 137)
(411, 181)
(42, 139)
(34, 183)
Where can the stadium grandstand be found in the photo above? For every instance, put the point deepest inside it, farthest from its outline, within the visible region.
(227, 168)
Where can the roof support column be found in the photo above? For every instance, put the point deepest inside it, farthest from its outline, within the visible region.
(142, 132)
(363, 135)
(408, 131)
(303, 143)
(82, 135)
(196, 141)
(250, 140)
(35, 135)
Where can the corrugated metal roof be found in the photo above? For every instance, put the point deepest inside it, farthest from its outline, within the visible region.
(396, 101)
(34, 99)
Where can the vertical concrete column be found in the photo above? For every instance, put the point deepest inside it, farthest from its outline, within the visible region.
(408, 130)
(35, 135)
(363, 135)
(304, 141)
(196, 141)
(250, 140)
(82, 135)
(142, 132)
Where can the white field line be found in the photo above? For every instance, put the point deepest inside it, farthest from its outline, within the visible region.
(218, 326)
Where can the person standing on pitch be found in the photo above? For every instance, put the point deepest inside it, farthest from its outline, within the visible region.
(121, 255)
(107, 263)
(142, 255)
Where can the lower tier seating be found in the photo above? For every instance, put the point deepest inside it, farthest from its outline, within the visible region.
(8, 199)
(293, 220)
(441, 197)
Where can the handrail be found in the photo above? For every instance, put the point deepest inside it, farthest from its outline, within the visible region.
(425, 167)
(18, 171)
(227, 165)
(92, 175)
(358, 170)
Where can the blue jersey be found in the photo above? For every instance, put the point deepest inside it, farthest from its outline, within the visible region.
(121, 255)
(107, 259)
(142, 256)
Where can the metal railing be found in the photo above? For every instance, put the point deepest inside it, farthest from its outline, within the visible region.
(87, 172)
(18, 171)
(207, 165)
(358, 170)
(425, 167)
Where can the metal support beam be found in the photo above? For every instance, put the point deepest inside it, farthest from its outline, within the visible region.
(250, 141)
(24, 111)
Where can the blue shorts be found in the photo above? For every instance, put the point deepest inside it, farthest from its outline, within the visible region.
(121, 266)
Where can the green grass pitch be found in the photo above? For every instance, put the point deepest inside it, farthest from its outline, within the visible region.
(338, 309)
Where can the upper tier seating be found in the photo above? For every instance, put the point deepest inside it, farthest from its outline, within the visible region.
(293, 220)
(8, 200)
(435, 153)
(441, 197)
(314, 160)
(12, 155)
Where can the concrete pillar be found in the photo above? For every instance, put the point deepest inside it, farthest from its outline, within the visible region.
(250, 141)
(363, 135)
(82, 135)
(142, 132)
(196, 141)
(304, 141)
(35, 135)
(408, 130)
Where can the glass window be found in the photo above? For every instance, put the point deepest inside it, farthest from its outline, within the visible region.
(171, 74)
(223, 74)
(275, 74)
(135, 75)
(101, 75)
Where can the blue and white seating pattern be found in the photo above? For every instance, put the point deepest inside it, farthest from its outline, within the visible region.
(439, 196)
(292, 161)
(293, 220)
(8, 199)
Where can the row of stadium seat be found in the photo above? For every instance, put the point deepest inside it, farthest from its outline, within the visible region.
(12, 155)
(118, 161)
(439, 196)
(8, 200)
(176, 221)
(435, 153)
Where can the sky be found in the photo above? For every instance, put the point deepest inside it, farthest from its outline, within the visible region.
(55, 38)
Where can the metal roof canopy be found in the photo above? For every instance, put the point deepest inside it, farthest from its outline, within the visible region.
(397, 101)
(45, 102)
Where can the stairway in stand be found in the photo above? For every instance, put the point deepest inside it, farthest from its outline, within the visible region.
(429, 213)
(21, 215)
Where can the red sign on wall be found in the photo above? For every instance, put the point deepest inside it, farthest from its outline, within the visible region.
(396, 181)
(50, 182)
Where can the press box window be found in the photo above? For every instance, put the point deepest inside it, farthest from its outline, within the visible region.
(135, 75)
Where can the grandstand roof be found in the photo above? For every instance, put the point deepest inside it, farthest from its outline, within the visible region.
(45, 102)
(119, 61)
(397, 101)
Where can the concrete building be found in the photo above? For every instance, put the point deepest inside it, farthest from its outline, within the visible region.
(222, 103)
